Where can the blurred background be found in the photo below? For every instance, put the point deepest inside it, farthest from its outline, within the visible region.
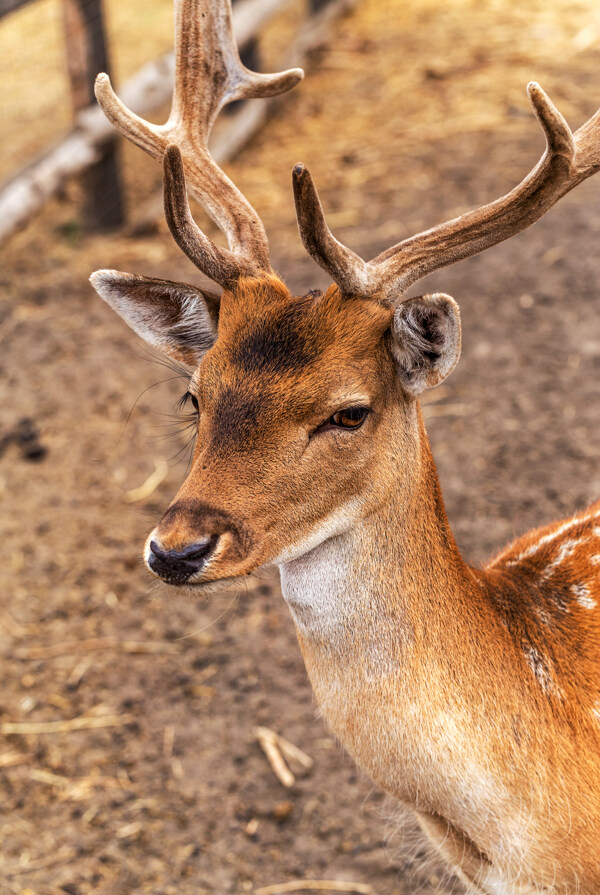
(129, 758)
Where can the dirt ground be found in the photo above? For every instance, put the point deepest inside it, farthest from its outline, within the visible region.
(144, 774)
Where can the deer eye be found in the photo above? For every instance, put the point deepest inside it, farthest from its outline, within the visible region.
(188, 396)
(349, 418)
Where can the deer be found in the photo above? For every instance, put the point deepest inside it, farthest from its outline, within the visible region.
(471, 695)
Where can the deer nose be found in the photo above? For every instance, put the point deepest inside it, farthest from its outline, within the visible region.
(178, 566)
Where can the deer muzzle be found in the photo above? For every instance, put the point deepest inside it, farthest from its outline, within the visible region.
(195, 542)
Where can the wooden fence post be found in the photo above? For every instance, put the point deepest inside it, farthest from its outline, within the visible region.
(86, 55)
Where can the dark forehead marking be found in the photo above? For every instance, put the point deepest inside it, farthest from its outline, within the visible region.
(280, 341)
(237, 412)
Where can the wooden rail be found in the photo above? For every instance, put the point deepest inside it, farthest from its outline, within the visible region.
(90, 149)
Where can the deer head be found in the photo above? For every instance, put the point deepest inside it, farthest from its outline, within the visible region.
(308, 412)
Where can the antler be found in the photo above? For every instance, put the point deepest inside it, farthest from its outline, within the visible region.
(208, 75)
(568, 160)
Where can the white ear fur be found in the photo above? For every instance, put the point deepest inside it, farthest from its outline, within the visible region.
(426, 340)
(173, 317)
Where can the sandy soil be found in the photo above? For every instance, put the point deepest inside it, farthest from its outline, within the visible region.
(412, 114)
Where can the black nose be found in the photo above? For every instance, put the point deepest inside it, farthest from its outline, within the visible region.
(177, 566)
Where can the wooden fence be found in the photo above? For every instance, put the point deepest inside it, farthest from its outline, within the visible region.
(91, 149)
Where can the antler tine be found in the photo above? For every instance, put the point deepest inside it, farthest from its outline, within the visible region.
(208, 75)
(208, 70)
(343, 265)
(568, 160)
(220, 265)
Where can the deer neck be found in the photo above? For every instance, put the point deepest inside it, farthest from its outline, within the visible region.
(384, 614)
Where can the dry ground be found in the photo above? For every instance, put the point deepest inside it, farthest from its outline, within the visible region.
(415, 111)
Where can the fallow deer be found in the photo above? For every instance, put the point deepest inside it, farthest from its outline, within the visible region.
(472, 695)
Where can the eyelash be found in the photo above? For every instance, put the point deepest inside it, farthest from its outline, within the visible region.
(188, 396)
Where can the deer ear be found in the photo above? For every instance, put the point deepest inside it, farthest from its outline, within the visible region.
(179, 319)
(426, 340)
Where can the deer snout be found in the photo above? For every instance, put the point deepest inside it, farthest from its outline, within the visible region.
(178, 566)
(196, 542)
